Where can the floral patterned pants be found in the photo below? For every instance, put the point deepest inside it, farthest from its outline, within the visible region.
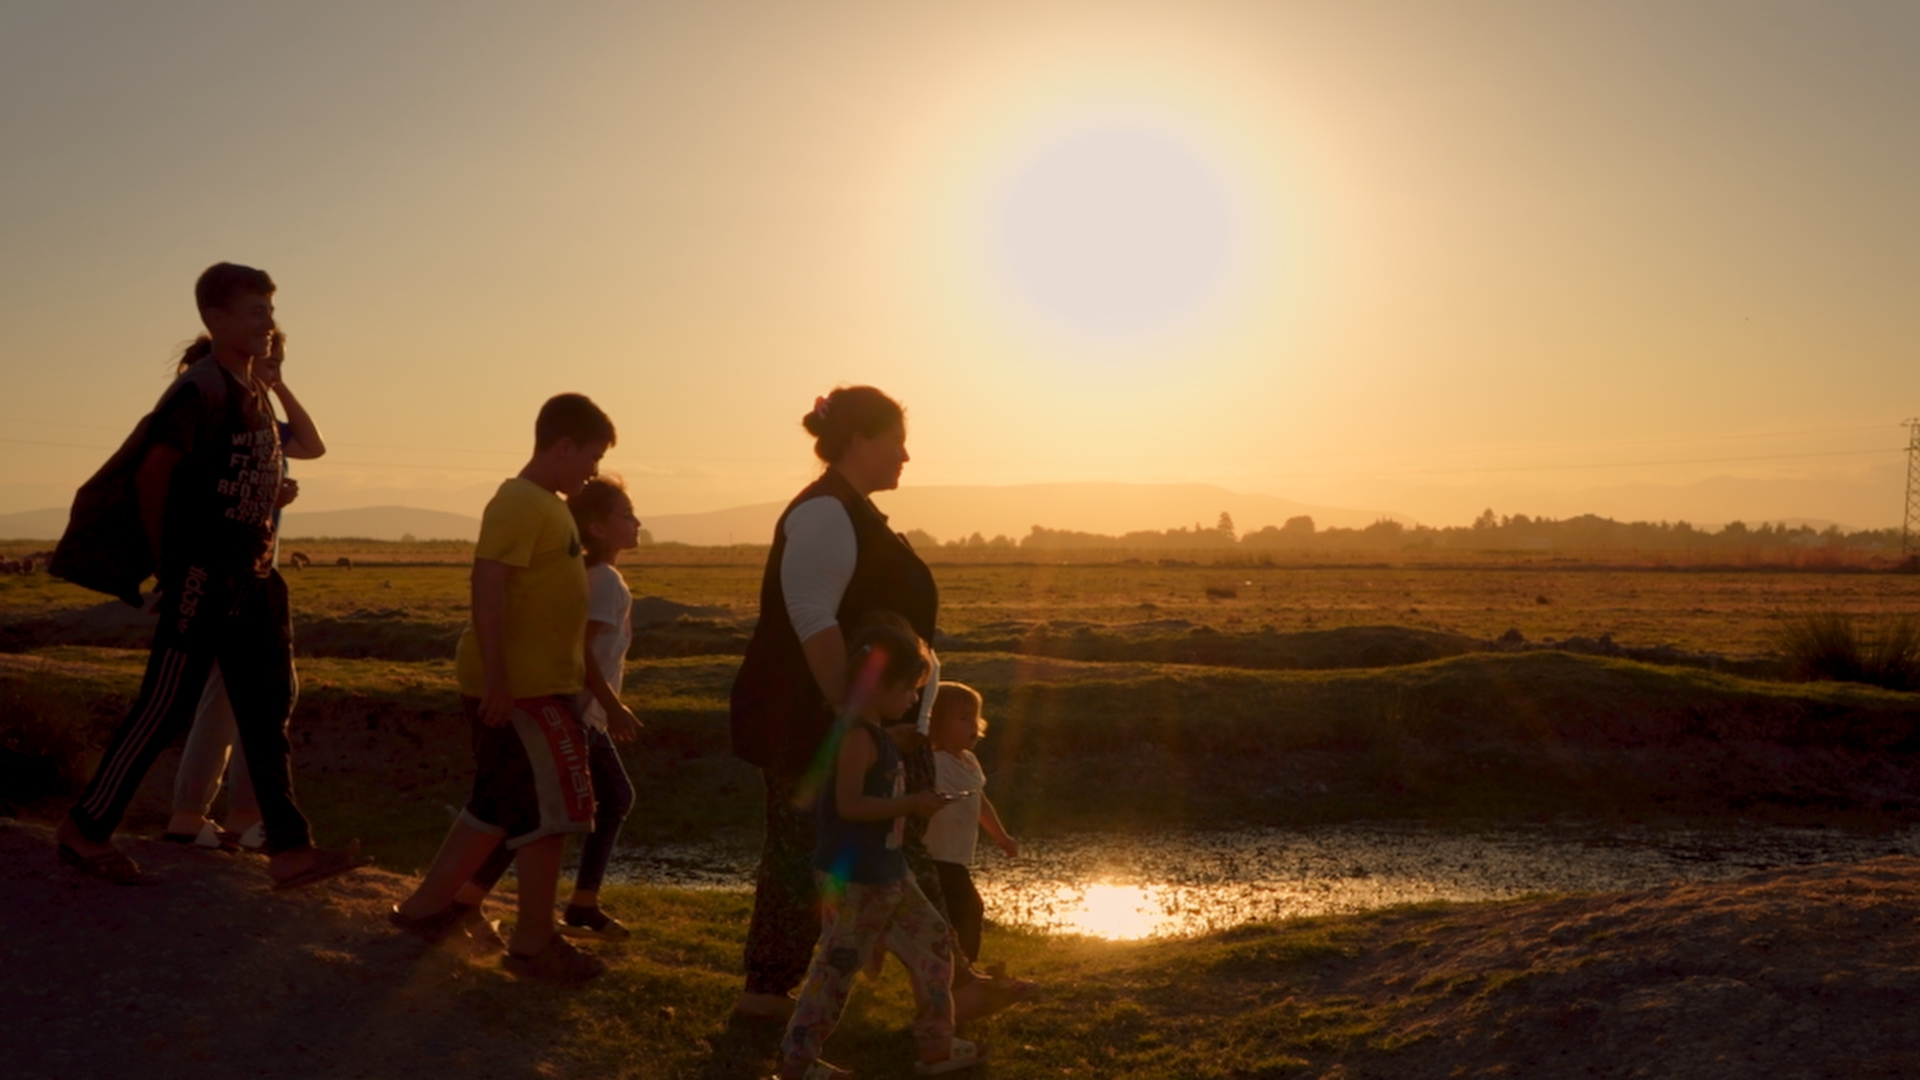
(895, 916)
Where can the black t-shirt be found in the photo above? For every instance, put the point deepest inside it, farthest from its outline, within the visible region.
(221, 501)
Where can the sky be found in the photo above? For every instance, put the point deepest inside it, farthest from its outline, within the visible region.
(1651, 260)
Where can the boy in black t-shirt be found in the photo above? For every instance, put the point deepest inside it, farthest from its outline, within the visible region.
(208, 486)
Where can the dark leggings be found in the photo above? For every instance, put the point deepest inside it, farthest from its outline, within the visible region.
(966, 912)
(612, 798)
(786, 917)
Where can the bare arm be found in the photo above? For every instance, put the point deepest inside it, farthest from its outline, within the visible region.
(303, 440)
(622, 725)
(990, 821)
(151, 482)
(490, 627)
(826, 654)
(857, 755)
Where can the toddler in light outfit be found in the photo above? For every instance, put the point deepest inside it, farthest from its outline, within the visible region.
(956, 726)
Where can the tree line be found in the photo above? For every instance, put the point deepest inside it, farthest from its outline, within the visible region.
(1489, 532)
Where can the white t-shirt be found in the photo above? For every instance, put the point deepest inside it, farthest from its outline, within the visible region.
(954, 829)
(609, 601)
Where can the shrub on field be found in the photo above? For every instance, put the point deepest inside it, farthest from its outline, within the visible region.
(1831, 645)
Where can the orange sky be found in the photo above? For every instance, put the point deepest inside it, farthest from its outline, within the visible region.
(1401, 257)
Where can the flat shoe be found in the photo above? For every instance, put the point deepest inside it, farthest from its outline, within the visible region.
(961, 1055)
(326, 864)
(113, 867)
(432, 929)
(558, 963)
(591, 922)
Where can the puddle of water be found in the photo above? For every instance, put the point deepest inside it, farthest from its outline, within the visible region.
(1176, 884)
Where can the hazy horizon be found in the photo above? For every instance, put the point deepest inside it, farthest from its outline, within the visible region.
(1643, 260)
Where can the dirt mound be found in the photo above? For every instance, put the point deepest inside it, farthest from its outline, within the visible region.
(114, 625)
(1808, 972)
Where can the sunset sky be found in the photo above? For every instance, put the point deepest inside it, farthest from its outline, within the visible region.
(1411, 257)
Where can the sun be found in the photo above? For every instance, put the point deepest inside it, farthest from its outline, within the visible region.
(1113, 230)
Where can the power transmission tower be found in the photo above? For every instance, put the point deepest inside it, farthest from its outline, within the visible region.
(1910, 524)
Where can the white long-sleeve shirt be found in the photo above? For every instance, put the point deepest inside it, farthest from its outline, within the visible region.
(817, 565)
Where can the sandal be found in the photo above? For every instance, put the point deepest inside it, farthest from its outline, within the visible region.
(326, 864)
(558, 963)
(961, 1054)
(113, 867)
(591, 922)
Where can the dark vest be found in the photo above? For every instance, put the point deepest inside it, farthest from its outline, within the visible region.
(779, 718)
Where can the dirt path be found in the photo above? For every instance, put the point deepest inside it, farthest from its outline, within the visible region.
(210, 975)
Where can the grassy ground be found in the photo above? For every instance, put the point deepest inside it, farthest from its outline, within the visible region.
(1714, 608)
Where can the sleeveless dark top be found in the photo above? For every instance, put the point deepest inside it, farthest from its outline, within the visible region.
(863, 852)
(779, 718)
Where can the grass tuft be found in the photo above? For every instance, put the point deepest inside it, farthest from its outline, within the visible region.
(1837, 647)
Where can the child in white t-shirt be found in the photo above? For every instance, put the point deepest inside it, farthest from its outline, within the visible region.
(956, 726)
(607, 526)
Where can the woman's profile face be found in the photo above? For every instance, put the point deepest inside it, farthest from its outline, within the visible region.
(873, 464)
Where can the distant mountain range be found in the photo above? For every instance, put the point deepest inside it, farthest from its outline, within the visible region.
(947, 513)
(372, 523)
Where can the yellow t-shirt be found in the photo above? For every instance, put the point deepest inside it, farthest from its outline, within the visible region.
(529, 528)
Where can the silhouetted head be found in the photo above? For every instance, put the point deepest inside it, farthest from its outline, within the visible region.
(570, 437)
(236, 306)
(603, 515)
(862, 433)
(959, 719)
(850, 411)
(886, 665)
(222, 283)
(571, 416)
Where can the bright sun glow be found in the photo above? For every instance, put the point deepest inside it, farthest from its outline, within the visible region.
(1116, 912)
(1114, 231)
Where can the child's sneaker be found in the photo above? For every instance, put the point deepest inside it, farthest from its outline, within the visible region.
(591, 922)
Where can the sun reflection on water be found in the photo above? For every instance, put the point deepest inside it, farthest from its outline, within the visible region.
(1100, 909)
(1181, 883)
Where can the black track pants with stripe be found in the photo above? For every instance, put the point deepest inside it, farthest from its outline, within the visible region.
(242, 622)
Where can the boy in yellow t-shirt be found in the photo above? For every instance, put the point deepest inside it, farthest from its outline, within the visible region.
(521, 665)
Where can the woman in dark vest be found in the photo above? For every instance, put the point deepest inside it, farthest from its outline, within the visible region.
(834, 561)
